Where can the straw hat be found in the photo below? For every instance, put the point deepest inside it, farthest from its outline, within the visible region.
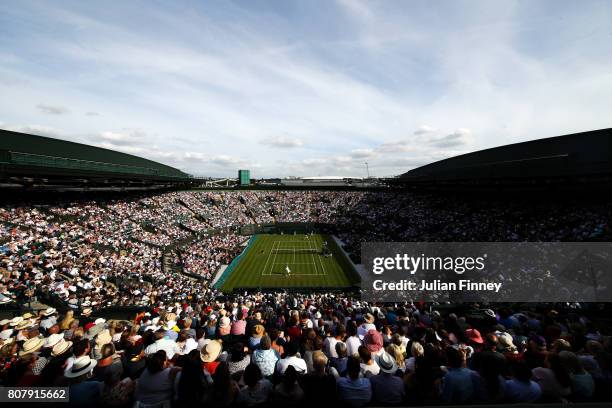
(94, 330)
(27, 315)
(211, 351)
(31, 345)
(81, 366)
(103, 338)
(16, 320)
(61, 347)
(4, 321)
(53, 339)
(23, 325)
(50, 311)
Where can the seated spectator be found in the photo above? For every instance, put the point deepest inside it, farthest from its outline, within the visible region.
(256, 390)
(117, 391)
(583, 385)
(288, 393)
(339, 363)
(292, 358)
(521, 388)
(155, 384)
(354, 390)
(320, 385)
(368, 364)
(554, 379)
(387, 388)
(265, 357)
(459, 383)
(224, 389)
(83, 392)
(416, 350)
(210, 356)
(192, 382)
(239, 360)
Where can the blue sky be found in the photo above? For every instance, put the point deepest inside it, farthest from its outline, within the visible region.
(304, 88)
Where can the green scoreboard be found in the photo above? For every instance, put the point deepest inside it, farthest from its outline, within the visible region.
(244, 177)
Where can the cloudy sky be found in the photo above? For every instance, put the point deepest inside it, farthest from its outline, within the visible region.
(304, 88)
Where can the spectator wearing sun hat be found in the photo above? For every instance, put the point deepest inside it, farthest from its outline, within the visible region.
(49, 318)
(83, 392)
(103, 338)
(210, 356)
(45, 353)
(61, 347)
(387, 389)
(224, 326)
(366, 326)
(86, 316)
(373, 341)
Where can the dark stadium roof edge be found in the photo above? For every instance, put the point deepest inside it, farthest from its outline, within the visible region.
(32, 158)
(583, 158)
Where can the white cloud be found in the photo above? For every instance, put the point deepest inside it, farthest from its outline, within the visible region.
(226, 160)
(424, 129)
(52, 109)
(282, 142)
(121, 138)
(385, 84)
(362, 153)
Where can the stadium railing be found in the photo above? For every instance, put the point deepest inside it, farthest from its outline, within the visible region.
(39, 160)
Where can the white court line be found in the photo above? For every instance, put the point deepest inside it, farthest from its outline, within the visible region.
(321, 262)
(273, 261)
(267, 259)
(312, 257)
(295, 263)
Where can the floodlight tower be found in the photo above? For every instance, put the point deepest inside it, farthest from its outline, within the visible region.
(367, 169)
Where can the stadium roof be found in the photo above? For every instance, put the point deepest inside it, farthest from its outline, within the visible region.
(583, 156)
(23, 154)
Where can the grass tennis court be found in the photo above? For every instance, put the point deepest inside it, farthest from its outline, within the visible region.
(290, 261)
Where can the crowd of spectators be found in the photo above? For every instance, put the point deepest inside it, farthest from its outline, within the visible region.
(300, 350)
(193, 345)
